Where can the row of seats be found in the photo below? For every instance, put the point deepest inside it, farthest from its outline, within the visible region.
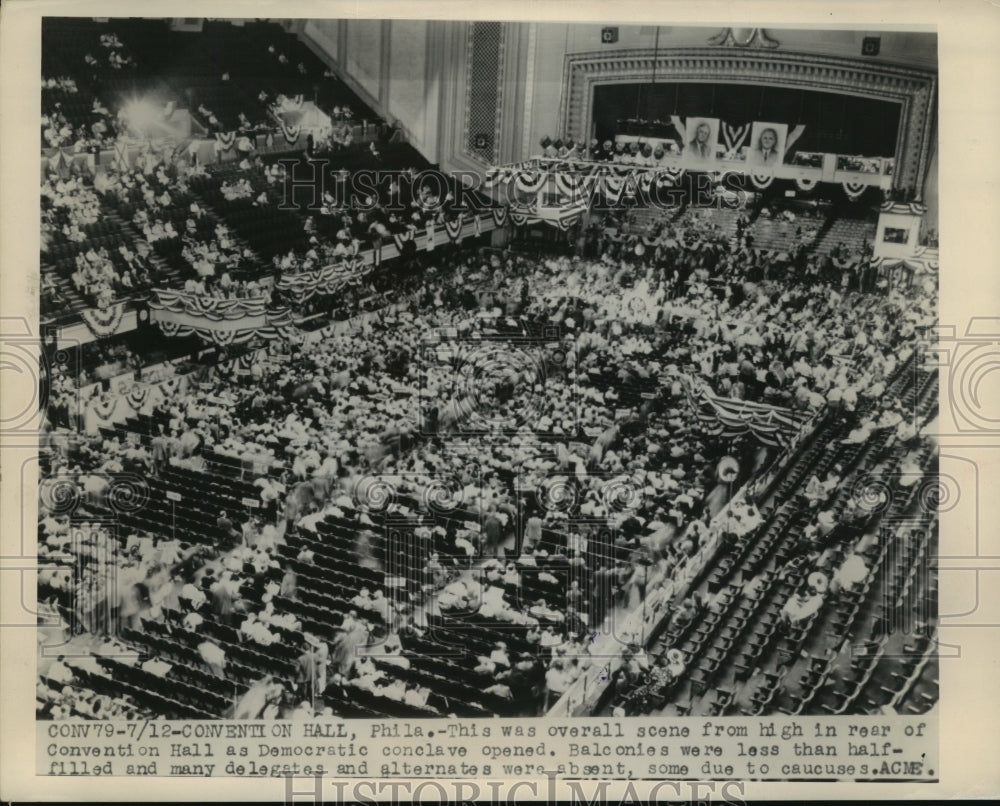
(721, 645)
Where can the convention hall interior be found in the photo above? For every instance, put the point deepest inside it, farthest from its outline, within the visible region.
(432, 368)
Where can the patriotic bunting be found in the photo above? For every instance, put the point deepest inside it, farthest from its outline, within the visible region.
(928, 255)
(496, 174)
(171, 386)
(917, 263)
(103, 409)
(401, 238)
(719, 416)
(454, 228)
(668, 177)
(170, 329)
(854, 189)
(133, 398)
(245, 363)
(761, 180)
(326, 281)
(137, 396)
(277, 326)
(567, 223)
(562, 217)
(793, 137)
(530, 181)
(291, 133)
(226, 139)
(613, 188)
(220, 321)
(583, 180)
(207, 307)
(734, 136)
(62, 163)
(104, 323)
(911, 208)
(568, 183)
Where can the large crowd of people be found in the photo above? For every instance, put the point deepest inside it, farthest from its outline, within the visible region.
(377, 401)
(535, 418)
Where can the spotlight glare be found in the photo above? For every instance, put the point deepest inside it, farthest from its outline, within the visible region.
(141, 115)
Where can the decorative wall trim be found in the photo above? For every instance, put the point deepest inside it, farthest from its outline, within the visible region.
(340, 69)
(528, 87)
(915, 90)
(385, 66)
(743, 38)
(453, 110)
(467, 149)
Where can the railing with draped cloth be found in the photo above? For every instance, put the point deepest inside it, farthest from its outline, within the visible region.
(221, 321)
(775, 426)
(578, 180)
(329, 279)
(128, 397)
(574, 174)
(302, 286)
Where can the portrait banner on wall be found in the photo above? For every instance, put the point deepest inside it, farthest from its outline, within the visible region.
(767, 144)
(701, 137)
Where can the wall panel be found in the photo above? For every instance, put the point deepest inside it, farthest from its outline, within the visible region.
(325, 33)
(364, 54)
(408, 43)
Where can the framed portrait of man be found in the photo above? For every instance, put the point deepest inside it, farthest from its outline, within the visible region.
(767, 144)
(701, 136)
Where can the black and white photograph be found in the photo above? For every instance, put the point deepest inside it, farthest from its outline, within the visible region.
(702, 139)
(374, 453)
(396, 369)
(767, 144)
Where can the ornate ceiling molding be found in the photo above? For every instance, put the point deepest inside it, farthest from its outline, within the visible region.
(743, 38)
(915, 90)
